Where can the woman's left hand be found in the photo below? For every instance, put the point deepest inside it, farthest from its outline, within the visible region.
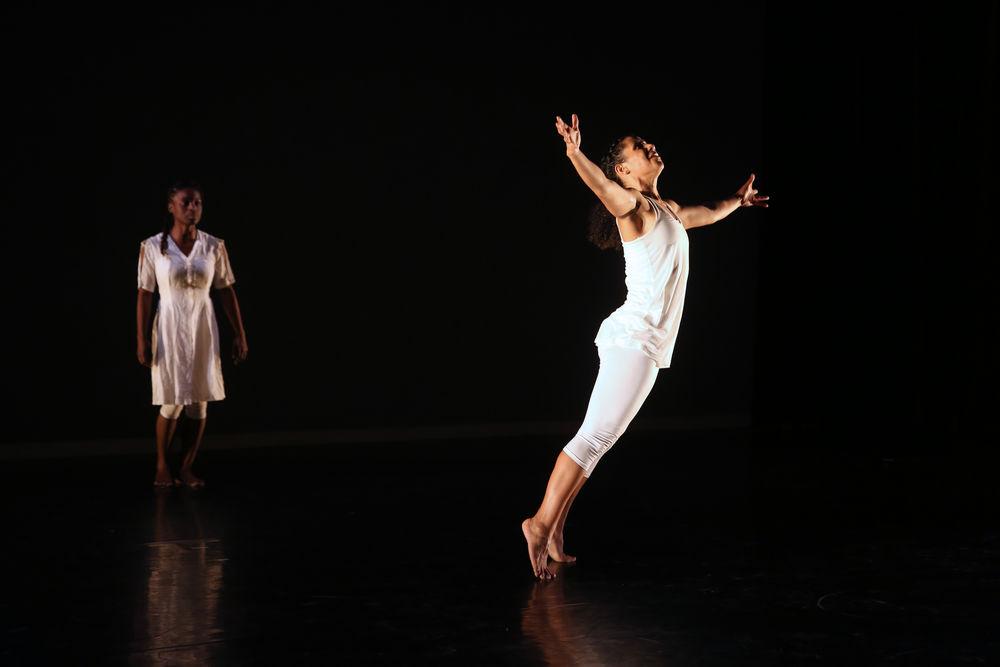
(748, 194)
(240, 349)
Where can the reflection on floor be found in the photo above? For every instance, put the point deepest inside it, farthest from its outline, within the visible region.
(693, 549)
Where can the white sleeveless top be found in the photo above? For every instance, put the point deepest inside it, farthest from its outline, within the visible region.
(656, 271)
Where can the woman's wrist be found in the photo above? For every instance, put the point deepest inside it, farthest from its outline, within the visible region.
(740, 198)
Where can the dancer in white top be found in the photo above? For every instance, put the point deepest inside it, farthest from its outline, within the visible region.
(637, 339)
(181, 343)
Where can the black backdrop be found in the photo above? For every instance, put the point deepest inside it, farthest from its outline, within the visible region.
(408, 236)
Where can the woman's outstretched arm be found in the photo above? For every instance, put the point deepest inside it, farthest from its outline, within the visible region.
(619, 201)
(700, 215)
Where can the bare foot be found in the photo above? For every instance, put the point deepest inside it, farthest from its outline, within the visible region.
(536, 539)
(163, 477)
(188, 477)
(556, 552)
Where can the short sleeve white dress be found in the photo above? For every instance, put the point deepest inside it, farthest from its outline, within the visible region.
(186, 365)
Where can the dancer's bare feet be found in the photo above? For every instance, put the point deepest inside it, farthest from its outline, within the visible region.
(556, 552)
(537, 539)
(163, 477)
(189, 478)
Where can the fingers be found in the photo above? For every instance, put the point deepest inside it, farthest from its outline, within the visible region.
(561, 127)
(239, 352)
(565, 129)
(755, 199)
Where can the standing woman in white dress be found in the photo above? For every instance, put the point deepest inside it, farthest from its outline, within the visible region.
(637, 339)
(180, 345)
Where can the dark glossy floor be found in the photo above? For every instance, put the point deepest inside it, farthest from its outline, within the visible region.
(693, 550)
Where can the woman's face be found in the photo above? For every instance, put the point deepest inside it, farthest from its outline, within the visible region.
(640, 159)
(185, 206)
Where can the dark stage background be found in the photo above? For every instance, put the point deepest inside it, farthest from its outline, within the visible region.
(408, 236)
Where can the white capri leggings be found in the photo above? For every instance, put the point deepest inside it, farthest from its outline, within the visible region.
(624, 380)
(192, 410)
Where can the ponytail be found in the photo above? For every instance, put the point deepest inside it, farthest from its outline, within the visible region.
(602, 230)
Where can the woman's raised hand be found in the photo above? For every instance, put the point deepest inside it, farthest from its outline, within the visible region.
(570, 134)
(749, 195)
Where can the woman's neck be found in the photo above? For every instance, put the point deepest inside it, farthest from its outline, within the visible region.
(183, 230)
(647, 187)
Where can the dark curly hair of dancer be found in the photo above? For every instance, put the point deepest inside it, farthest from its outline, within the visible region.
(602, 231)
(168, 219)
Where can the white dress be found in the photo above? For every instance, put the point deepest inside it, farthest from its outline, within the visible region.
(656, 272)
(187, 367)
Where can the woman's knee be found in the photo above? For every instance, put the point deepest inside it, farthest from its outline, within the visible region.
(192, 410)
(589, 445)
(196, 410)
(169, 411)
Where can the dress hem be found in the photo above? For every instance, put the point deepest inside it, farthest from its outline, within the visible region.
(191, 402)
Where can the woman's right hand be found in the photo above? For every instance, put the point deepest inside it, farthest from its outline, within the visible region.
(570, 134)
(142, 353)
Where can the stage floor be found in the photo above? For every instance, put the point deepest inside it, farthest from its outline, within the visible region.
(694, 549)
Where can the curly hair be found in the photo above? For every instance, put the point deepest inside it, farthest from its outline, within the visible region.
(168, 219)
(603, 231)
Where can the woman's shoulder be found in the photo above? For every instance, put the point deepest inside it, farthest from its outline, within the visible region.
(152, 240)
(210, 239)
(642, 203)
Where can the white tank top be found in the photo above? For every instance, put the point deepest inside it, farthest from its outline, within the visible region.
(656, 271)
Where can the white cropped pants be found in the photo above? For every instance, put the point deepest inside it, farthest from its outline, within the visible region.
(624, 380)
